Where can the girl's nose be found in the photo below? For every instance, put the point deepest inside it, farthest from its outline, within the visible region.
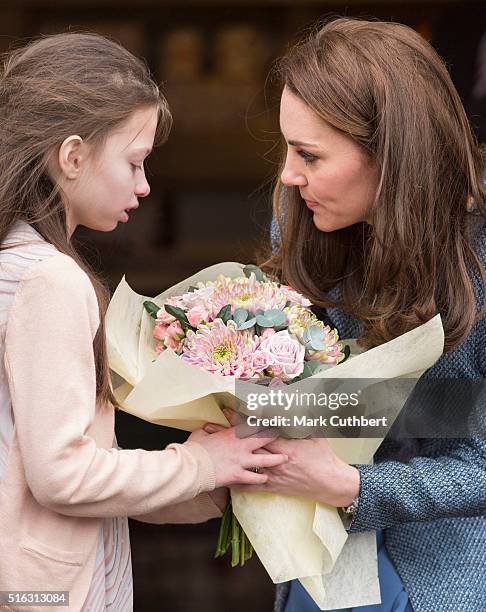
(142, 189)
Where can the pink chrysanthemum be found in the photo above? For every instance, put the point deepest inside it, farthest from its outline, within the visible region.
(221, 349)
(247, 293)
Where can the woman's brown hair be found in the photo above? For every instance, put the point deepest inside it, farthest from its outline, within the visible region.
(56, 86)
(385, 87)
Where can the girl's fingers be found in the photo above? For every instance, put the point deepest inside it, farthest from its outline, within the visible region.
(268, 461)
(233, 417)
(213, 428)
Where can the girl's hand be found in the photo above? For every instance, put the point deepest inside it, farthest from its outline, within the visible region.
(234, 456)
(312, 470)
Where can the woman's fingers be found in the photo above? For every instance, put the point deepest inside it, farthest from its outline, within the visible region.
(262, 438)
(252, 478)
(251, 487)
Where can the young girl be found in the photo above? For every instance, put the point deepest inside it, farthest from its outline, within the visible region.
(372, 206)
(79, 114)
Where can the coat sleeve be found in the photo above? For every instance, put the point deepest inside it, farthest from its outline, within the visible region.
(431, 488)
(50, 368)
(424, 489)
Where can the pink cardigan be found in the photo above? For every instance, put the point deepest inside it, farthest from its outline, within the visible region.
(61, 474)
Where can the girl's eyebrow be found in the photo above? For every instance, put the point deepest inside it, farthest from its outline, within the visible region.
(143, 151)
(298, 143)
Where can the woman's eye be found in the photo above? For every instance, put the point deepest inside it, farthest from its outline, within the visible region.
(136, 166)
(307, 157)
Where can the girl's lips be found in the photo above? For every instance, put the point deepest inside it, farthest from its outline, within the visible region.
(124, 217)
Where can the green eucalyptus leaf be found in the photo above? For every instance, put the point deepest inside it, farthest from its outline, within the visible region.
(276, 315)
(151, 308)
(240, 315)
(264, 321)
(311, 368)
(252, 269)
(247, 324)
(224, 314)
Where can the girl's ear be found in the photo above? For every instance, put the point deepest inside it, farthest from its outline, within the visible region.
(71, 155)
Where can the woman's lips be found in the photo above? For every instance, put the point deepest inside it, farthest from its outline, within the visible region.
(311, 204)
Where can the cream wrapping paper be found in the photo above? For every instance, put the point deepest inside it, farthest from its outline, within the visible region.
(308, 541)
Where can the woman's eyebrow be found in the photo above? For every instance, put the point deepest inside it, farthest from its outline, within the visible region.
(298, 143)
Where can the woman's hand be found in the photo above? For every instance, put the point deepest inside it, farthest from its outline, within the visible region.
(312, 470)
(234, 454)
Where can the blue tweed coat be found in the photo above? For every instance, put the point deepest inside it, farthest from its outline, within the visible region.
(429, 496)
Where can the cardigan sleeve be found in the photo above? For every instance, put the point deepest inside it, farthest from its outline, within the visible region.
(50, 368)
(197, 510)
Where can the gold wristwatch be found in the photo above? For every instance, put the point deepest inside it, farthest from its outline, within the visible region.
(347, 513)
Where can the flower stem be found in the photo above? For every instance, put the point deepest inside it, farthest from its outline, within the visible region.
(235, 541)
(231, 534)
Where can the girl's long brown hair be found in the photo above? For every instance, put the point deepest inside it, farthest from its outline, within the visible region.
(385, 87)
(56, 86)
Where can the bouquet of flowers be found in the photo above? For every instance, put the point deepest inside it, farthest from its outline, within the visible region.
(250, 328)
(228, 326)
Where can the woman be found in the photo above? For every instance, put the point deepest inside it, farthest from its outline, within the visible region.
(372, 209)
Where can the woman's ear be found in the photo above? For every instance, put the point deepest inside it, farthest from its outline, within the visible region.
(72, 153)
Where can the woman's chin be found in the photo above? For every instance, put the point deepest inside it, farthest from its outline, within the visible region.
(325, 225)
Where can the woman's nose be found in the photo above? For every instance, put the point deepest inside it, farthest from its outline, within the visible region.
(292, 177)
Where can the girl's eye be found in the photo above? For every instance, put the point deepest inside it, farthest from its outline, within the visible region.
(307, 157)
(136, 166)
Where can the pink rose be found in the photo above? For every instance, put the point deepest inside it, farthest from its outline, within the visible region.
(197, 314)
(286, 352)
(276, 370)
(260, 361)
(160, 330)
(267, 332)
(174, 335)
(164, 317)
